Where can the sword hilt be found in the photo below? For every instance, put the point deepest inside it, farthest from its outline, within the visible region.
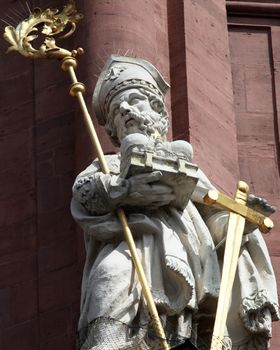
(214, 197)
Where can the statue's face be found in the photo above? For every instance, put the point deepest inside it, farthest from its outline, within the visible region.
(131, 113)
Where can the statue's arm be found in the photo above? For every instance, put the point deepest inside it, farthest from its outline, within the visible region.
(97, 195)
(97, 192)
(91, 207)
(102, 193)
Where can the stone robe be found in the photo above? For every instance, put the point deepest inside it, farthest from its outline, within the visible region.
(182, 268)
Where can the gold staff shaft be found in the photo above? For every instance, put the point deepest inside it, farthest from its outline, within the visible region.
(77, 89)
(235, 231)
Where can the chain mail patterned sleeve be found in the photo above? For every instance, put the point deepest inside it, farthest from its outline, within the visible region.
(92, 206)
(92, 189)
(90, 192)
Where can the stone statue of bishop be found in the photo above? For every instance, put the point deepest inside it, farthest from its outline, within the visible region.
(162, 191)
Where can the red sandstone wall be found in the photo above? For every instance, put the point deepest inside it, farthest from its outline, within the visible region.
(43, 145)
(39, 282)
(254, 46)
(210, 99)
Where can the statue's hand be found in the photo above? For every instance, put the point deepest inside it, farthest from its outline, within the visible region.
(259, 204)
(260, 321)
(145, 190)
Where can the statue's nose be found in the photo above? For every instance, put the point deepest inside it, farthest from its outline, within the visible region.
(125, 108)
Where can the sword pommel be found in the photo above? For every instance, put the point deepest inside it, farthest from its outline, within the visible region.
(242, 192)
(243, 187)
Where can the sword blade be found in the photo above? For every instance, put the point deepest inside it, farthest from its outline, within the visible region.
(235, 231)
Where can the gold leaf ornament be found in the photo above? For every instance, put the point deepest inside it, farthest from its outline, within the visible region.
(49, 23)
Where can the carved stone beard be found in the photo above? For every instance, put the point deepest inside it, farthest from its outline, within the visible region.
(144, 122)
(147, 123)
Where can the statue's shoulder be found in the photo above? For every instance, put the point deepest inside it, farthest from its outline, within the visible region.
(113, 161)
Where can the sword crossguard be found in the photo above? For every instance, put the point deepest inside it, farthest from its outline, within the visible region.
(238, 206)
